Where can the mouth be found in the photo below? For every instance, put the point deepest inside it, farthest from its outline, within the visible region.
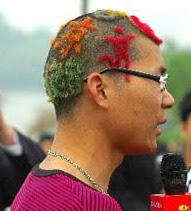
(160, 127)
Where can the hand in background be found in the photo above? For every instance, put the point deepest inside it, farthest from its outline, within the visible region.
(6, 131)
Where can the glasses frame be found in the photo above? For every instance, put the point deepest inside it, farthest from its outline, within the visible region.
(162, 80)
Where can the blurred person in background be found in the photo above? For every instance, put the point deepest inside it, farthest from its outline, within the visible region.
(185, 128)
(173, 146)
(106, 77)
(18, 154)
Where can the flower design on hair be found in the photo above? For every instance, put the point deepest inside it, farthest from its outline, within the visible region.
(71, 39)
(145, 28)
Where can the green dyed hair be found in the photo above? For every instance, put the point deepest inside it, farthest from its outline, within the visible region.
(64, 76)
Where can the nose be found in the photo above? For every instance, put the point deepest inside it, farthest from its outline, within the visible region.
(168, 100)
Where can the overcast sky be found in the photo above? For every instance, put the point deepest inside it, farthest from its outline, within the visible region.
(167, 17)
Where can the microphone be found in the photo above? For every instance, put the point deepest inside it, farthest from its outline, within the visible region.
(174, 177)
(174, 174)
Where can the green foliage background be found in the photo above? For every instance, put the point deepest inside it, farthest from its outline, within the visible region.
(178, 62)
(22, 59)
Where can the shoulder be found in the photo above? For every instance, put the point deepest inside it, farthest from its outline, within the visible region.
(94, 200)
(47, 193)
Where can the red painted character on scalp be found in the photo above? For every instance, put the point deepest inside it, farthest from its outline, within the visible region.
(121, 47)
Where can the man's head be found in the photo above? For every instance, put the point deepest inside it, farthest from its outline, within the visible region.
(127, 107)
(185, 114)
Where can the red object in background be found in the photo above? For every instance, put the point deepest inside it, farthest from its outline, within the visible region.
(161, 202)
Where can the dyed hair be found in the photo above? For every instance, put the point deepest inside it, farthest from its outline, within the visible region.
(90, 43)
(185, 107)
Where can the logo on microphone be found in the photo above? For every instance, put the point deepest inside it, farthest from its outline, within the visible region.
(157, 204)
(184, 208)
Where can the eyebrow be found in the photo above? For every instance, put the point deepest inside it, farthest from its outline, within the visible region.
(162, 70)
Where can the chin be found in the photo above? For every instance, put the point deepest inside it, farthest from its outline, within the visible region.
(148, 148)
(142, 150)
(142, 146)
(153, 147)
(150, 145)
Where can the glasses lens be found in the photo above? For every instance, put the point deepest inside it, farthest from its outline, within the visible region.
(163, 81)
(162, 85)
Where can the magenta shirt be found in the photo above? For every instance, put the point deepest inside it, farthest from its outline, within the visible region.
(56, 190)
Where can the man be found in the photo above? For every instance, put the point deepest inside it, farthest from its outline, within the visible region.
(185, 114)
(18, 154)
(106, 78)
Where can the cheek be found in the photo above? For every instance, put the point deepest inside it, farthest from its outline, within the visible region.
(140, 103)
(147, 105)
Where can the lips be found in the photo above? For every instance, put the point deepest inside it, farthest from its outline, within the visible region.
(161, 126)
(158, 131)
(162, 123)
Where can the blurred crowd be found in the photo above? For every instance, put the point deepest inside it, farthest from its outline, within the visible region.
(131, 184)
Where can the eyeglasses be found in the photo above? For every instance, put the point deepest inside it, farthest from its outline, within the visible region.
(160, 79)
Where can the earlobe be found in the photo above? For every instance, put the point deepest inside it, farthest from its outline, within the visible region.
(96, 86)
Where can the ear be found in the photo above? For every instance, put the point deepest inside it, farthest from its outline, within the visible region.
(97, 87)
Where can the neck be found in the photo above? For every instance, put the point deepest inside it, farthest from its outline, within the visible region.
(89, 148)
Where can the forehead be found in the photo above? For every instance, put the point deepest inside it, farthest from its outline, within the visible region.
(150, 56)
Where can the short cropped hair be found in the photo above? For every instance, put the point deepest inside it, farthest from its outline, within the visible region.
(185, 107)
(84, 45)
